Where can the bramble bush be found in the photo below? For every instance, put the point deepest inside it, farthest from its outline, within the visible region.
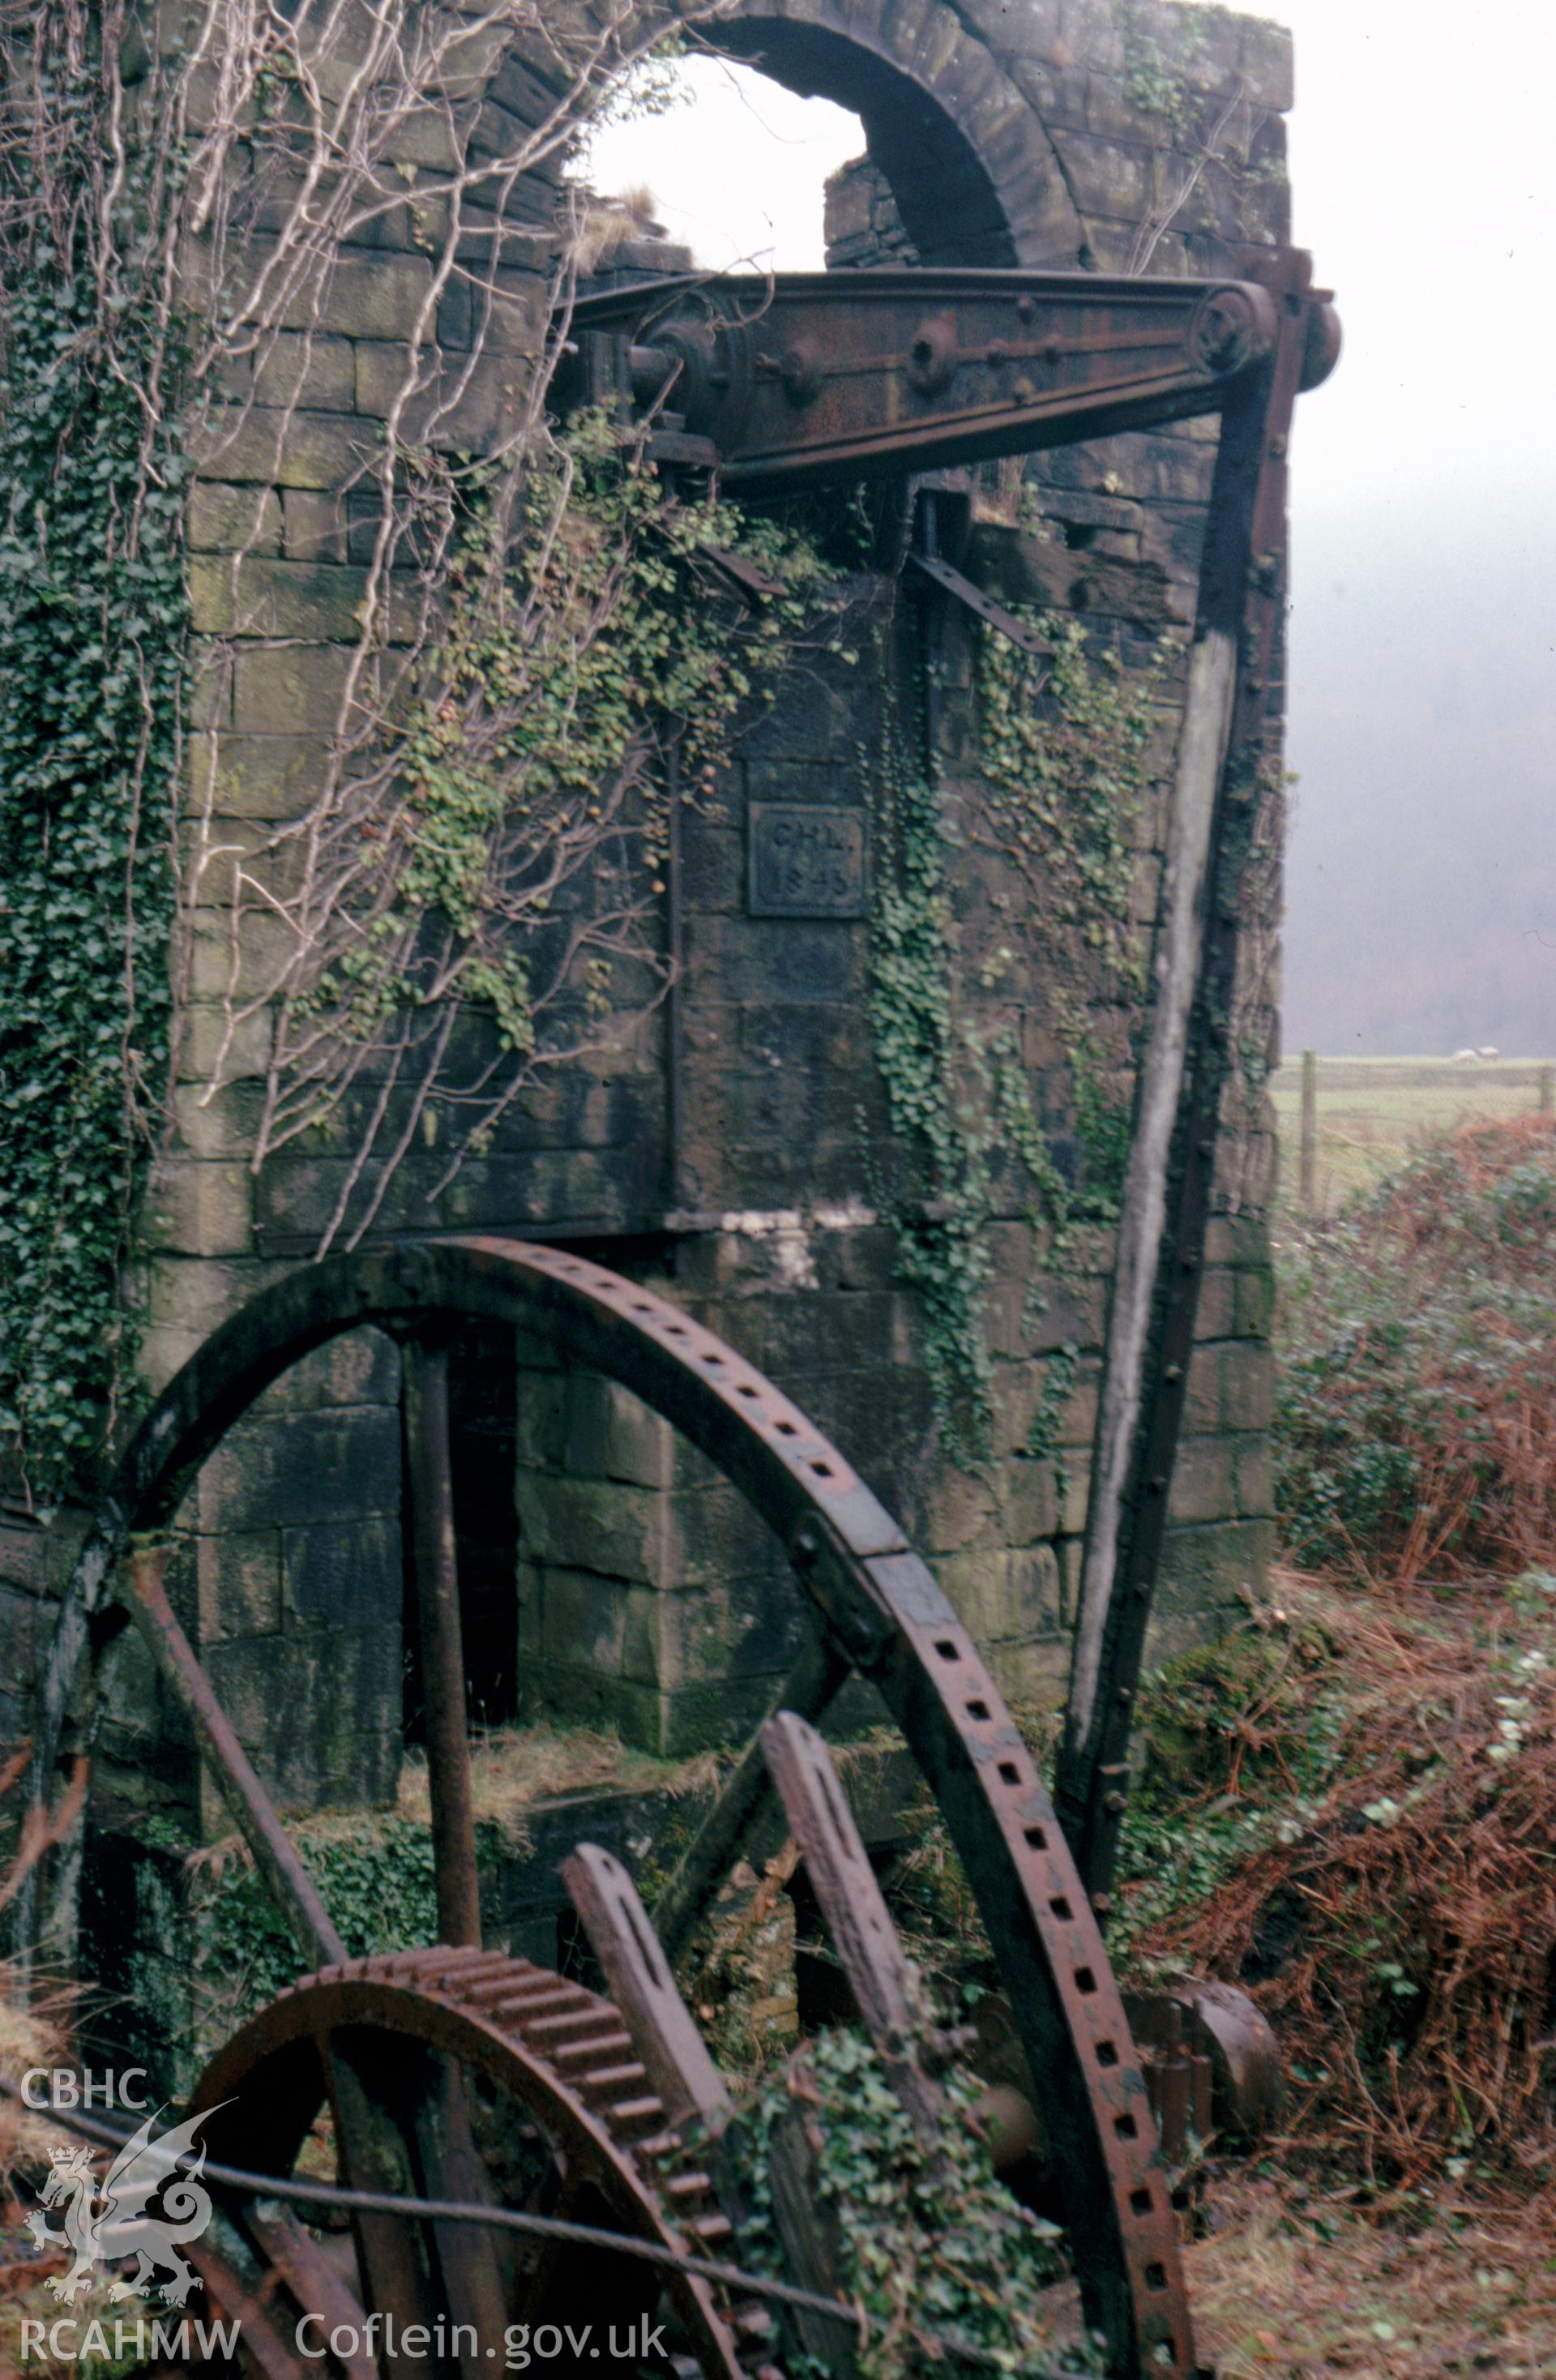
(1349, 1806)
(1416, 1414)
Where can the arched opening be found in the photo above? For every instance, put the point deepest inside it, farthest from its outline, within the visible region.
(771, 144)
(723, 161)
(945, 193)
(743, 155)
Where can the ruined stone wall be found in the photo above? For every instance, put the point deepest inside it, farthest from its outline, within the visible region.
(1049, 132)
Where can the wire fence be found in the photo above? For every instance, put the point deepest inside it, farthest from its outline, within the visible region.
(1344, 1122)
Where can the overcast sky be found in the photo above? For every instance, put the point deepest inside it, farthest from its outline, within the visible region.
(1422, 879)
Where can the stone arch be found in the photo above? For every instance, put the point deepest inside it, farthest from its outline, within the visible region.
(976, 179)
(976, 176)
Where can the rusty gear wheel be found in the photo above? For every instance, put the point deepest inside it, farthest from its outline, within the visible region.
(508, 2083)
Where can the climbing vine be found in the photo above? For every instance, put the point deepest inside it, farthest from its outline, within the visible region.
(232, 166)
(929, 2245)
(92, 643)
(508, 857)
(1067, 757)
(942, 1244)
(1154, 82)
(1204, 120)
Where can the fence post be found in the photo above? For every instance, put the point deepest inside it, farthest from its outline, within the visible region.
(1545, 1090)
(1308, 1170)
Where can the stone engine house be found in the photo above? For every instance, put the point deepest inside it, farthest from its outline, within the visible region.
(727, 1150)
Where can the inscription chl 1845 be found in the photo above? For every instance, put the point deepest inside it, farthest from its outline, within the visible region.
(807, 861)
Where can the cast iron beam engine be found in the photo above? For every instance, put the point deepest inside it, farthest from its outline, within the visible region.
(803, 381)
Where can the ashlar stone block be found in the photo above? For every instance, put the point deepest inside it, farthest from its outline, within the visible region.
(1001, 1595)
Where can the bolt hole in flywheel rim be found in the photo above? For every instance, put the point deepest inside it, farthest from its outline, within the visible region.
(875, 1607)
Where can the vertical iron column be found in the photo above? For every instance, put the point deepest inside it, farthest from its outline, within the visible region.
(1223, 747)
(430, 1483)
(675, 938)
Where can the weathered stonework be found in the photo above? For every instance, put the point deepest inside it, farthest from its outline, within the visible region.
(1001, 131)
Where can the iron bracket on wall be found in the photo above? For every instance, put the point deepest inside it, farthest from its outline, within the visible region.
(954, 583)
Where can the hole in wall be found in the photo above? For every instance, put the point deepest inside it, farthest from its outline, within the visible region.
(732, 154)
(718, 158)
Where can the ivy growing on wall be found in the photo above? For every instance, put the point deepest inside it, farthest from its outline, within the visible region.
(507, 853)
(92, 624)
(1154, 81)
(124, 155)
(1064, 764)
(942, 1241)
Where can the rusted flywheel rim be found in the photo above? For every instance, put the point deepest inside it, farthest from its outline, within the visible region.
(555, 2048)
(876, 1604)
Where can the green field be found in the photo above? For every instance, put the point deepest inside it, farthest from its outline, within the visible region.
(1371, 1111)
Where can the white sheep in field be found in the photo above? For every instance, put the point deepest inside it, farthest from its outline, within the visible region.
(1460, 1055)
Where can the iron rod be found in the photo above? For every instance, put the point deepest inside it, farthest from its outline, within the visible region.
(435, 1573)
(230, 1765)
(301, 2193)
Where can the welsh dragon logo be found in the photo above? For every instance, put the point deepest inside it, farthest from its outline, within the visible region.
(110, 2226)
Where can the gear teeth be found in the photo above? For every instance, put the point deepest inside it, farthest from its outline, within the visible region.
(629, 2114)
(580, 2037)
(612, 2078)
(596, 2044)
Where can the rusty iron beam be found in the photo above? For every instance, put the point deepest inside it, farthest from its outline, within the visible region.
(1227, 739)
(994, 615)
(803, 380)
(252, 1810)
(435, 1573)
(884, 1988)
